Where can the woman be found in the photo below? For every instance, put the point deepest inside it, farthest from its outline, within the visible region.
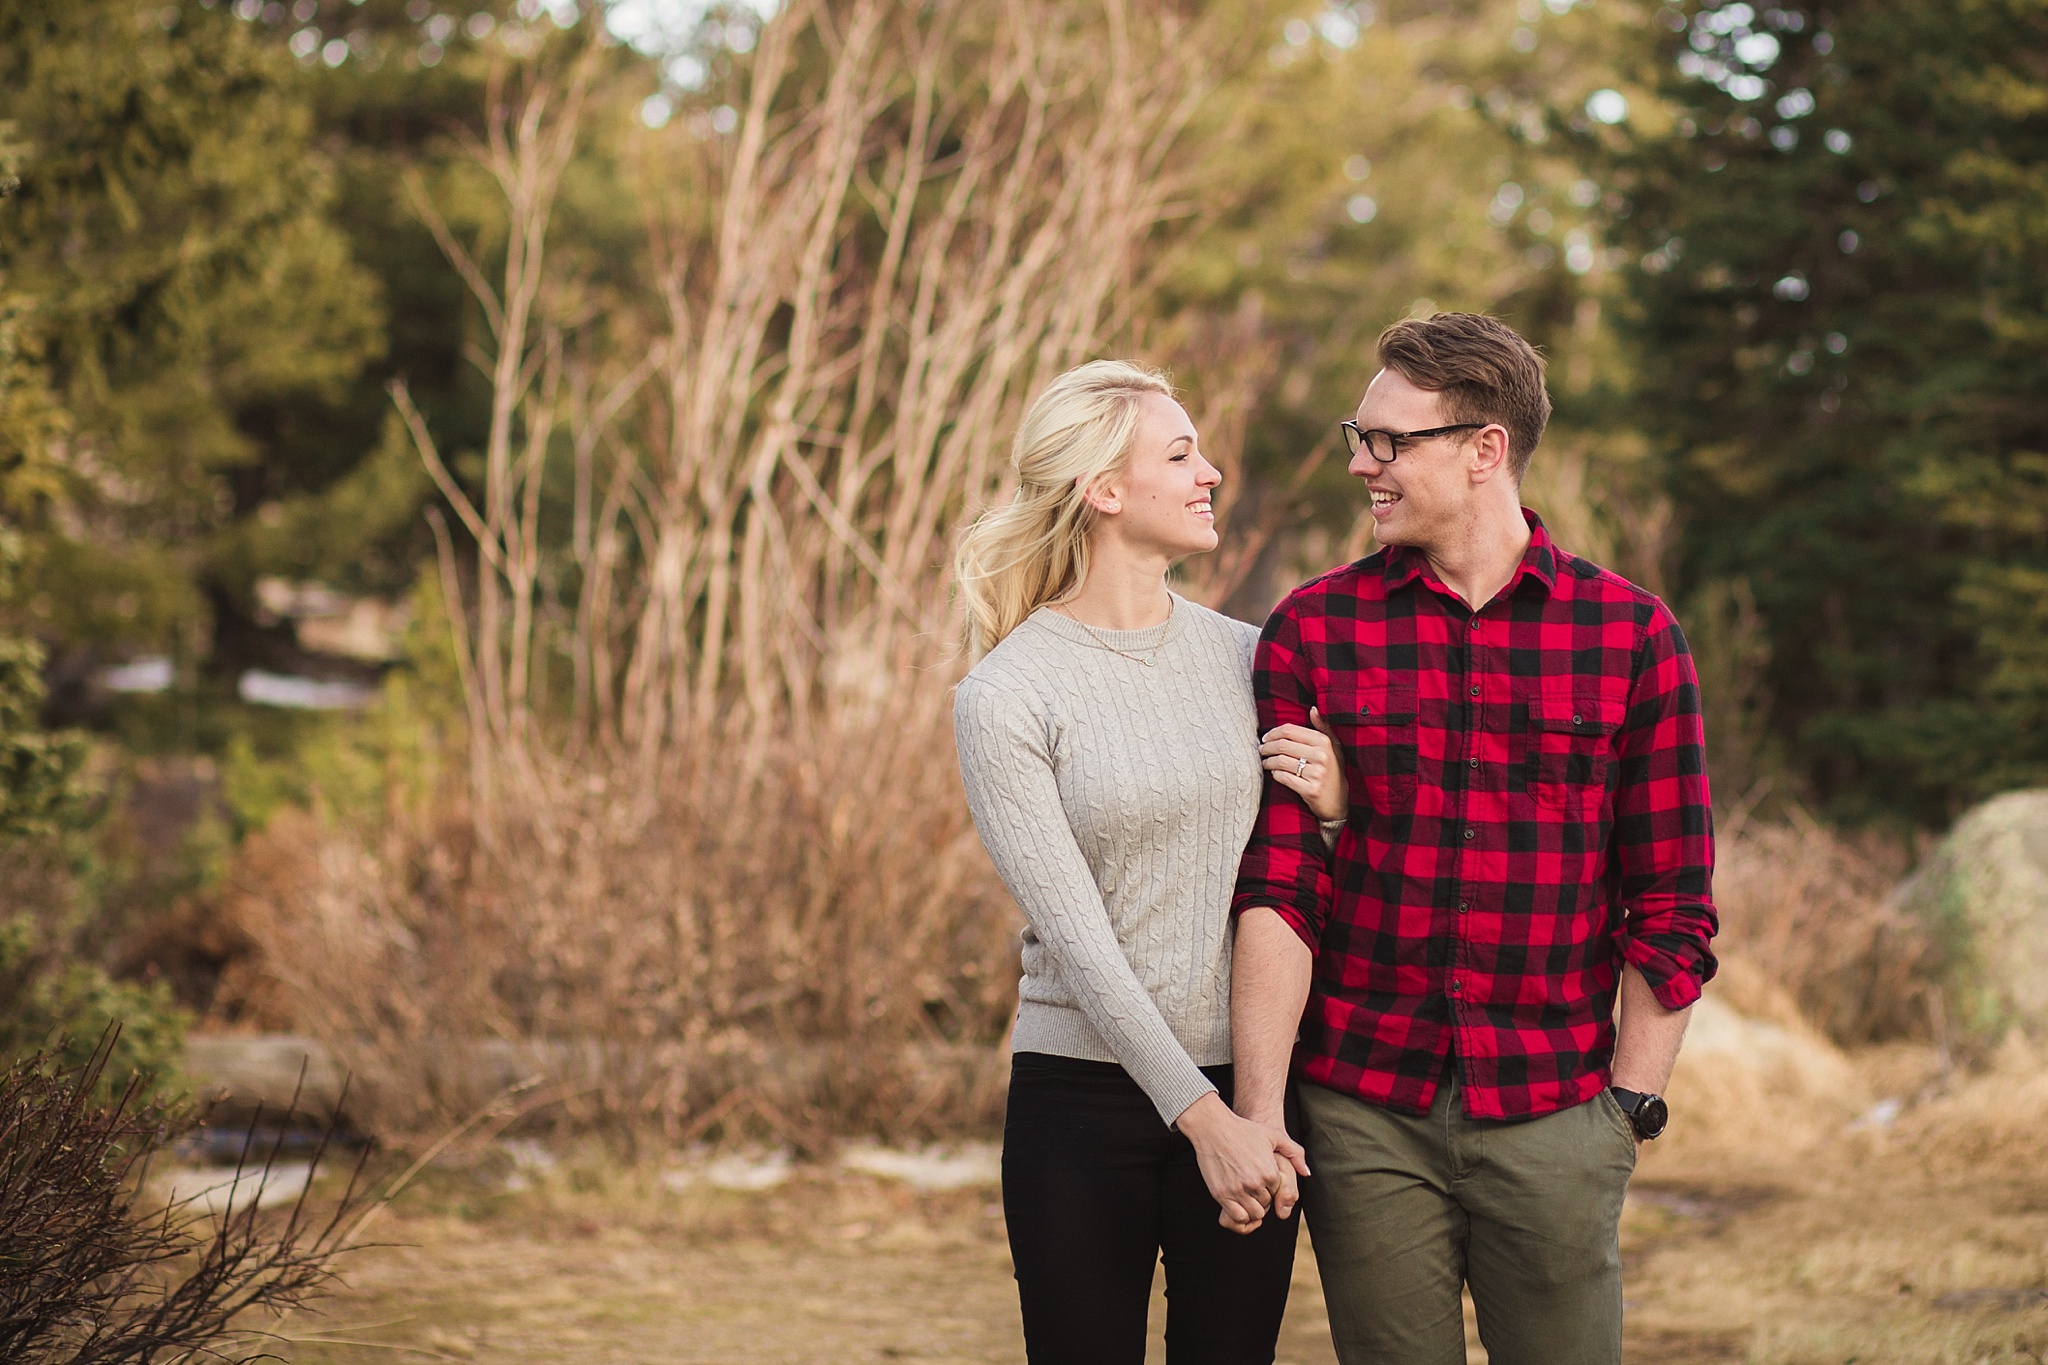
(1107, 743)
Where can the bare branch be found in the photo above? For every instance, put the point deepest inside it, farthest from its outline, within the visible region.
(430, 455)
(458, 255)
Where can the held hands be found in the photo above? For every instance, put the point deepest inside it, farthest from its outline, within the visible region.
(1286, 1194)
(1306, 761)
(1250, 1168)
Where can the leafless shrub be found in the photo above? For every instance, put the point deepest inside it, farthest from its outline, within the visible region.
(827, 952)
(90, 1275)
(1807, 908)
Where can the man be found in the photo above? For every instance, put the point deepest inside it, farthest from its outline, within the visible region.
(1530, 835)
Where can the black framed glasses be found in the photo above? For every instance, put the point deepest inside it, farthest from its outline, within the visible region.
(1385, 446)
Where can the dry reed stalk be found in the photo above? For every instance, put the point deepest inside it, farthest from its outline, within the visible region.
(925, 215)
(729, 879)
(532, 119)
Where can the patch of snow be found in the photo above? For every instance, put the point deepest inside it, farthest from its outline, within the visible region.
(149, 674)
(301, 694)
(527, 1154)
(741, 1171)
(932, 1168)
(529, 1159)
(214, 1190)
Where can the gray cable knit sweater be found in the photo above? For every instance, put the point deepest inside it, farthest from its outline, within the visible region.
(1115, 800)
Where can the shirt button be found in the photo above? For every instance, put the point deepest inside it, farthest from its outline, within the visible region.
(1468, 834)
(1475, 692)
(1577, 721)
(1475, 762)
(1463, 906)
(1457, 987)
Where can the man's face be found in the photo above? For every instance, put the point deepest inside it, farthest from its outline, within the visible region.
(1428, 491)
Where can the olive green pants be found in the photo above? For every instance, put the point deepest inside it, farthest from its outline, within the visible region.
(1406, 1209)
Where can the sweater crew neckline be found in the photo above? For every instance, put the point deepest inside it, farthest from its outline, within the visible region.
(1136, 641)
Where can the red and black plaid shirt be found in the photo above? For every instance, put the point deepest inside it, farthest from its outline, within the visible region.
(1528, 809)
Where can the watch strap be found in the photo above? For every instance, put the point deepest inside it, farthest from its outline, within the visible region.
(1647, 1114)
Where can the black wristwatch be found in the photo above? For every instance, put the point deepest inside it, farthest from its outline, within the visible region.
(1647, 1114)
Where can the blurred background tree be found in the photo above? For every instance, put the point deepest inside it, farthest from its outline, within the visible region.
(1835, 306)
(54, 993)
(1369, 162)
(196, 312)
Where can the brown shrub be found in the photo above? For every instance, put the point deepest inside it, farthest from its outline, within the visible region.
(802, 941)
(1806, 910)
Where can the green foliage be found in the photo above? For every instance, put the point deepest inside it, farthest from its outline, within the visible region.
(30, 420)
(169, 229)
(50, 998)
(39, 789)
(1839, 307)
(66, 1006)
(346, 764)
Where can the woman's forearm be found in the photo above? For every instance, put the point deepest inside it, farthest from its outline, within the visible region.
(1269, 977)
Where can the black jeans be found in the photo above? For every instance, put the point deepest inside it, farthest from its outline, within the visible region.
(1095, 1188)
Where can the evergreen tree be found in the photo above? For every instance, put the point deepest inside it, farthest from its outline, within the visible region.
(1839, 302)
(180, 282)
(52, 996)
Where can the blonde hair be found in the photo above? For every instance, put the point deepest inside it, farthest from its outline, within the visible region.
(1034, 548)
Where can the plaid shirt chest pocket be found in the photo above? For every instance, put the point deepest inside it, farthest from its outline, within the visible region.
(1377, 727)
(1564, 750)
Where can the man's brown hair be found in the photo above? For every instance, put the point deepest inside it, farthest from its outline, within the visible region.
(1483, 369)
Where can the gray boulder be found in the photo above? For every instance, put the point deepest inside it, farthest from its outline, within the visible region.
(1984, 892)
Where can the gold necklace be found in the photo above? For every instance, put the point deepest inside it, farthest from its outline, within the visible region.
(1172, 607)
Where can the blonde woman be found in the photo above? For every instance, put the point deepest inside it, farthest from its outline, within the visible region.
(1112, 761)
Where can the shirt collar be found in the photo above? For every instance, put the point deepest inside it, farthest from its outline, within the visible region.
(1405, 564)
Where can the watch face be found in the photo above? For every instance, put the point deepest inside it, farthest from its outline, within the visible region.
(1651, 1116)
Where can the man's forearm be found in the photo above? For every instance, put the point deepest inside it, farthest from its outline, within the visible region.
(1269, 975)
(1646, 1037)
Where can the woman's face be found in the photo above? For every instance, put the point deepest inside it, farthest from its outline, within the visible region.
(1160, 501)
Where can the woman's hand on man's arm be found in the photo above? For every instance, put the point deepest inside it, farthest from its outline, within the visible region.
(1305, 760)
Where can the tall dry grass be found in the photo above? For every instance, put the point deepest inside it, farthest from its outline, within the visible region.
(708, 868)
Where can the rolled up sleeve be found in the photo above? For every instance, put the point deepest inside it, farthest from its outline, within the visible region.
(1286, 862)
(1663, 829)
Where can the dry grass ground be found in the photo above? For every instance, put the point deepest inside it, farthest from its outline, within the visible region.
(1808, 1244)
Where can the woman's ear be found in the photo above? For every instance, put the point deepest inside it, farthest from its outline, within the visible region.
(1104, 497)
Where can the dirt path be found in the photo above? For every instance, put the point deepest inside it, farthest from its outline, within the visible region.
(1861, 1255)
(825, 1268)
